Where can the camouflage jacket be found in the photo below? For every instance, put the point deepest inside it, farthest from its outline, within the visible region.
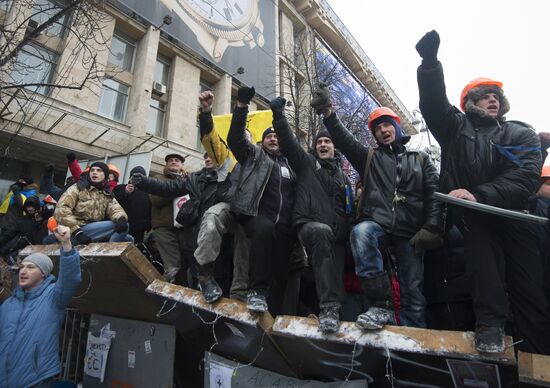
(78, 207)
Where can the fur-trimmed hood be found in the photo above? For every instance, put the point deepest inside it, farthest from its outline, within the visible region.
(477, 94)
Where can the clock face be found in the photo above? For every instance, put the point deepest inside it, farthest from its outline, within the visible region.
(228, 13)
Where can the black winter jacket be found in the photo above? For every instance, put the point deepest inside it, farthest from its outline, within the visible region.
(470, 148)
(413, 182)
(320, 185)
(256, 172)
(201, 184)
(137, 206)
(29, 229)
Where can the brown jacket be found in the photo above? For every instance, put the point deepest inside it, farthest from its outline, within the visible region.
(162, 208)
(78, 207)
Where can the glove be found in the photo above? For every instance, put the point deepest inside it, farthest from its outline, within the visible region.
(136, 179)
(427, 47)
(48, 170)
(245, 94)
(424, 240)
(277, 107)
(81, 237)
(71, 157)
(121, 225)
(321, 99)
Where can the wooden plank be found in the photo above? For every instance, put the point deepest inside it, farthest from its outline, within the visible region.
(534, 369)
(225, 327)
(405, 356)
(114, 278)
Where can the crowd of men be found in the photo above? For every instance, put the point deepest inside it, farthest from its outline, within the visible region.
(277, 226)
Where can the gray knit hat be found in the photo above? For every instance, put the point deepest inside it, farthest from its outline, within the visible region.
(41, 261)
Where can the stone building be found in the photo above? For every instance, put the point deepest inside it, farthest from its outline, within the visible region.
(156, 57)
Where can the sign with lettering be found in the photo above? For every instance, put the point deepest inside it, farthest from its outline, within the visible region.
(97, 351)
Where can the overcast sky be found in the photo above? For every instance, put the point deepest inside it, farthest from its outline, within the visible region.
(505, 40)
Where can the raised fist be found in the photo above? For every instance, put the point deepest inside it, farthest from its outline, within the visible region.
(428, 46)
(206, 99)
(245, 94)
(277, 107)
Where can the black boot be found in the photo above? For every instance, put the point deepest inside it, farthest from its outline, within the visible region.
(329, 319)
(211, 291)
(489, 339)
(379, 298)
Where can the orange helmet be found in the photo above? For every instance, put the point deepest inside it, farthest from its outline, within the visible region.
(114, 170)
(474, 84)
(49, 199)
(545, 173)
(379, 112)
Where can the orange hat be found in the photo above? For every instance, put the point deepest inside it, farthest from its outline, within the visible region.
(474, 84)
(379, 112)
(113, 169)
(52, 224)
(545, 173)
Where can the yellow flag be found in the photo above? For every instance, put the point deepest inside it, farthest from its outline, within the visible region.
(257, 122)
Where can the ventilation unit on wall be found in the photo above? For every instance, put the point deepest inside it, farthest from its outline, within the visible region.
(159, 88)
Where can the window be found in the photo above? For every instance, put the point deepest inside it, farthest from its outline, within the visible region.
(44, 10)
(34, 65)
(157, 111)
(162, 70)
(113, 100)
(122, 51)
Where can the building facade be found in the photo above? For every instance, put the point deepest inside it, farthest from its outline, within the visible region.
(133, 87)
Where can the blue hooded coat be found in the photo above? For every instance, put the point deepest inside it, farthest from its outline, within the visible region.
(30, 324)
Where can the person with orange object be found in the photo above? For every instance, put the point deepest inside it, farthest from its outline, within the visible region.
(489, 160)
(397, 209)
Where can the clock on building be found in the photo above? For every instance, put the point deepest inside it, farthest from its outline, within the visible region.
(219, 24)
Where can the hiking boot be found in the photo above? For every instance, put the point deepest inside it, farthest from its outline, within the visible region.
(256, 302)
(375, 318)
(489, 339)
(329, 319)
(211, 290)
(379, 298)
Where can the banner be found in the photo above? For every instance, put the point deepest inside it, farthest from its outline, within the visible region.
(257, 122)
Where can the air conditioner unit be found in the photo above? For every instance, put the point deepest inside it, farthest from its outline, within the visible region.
(159, 88)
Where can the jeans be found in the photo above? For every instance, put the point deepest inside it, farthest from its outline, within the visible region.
(100, 231)
(365, 240)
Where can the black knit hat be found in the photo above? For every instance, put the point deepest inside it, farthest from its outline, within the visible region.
(320, 134)
(267, 132)
(102, 166)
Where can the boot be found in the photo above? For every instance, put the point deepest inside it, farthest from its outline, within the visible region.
(211, 291)
(256, 302)
(329, 319)
(379, 298)
(489, 339)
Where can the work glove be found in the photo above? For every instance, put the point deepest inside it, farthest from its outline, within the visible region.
(321, 99)
(427, 47)
(48, 170)
(424, 240)
(121, 225)
(81, 237)
(245, 94)
(71, 157)
(136, 179)
(277, 107)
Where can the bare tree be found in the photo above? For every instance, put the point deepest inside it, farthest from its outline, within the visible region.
(47, 46)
